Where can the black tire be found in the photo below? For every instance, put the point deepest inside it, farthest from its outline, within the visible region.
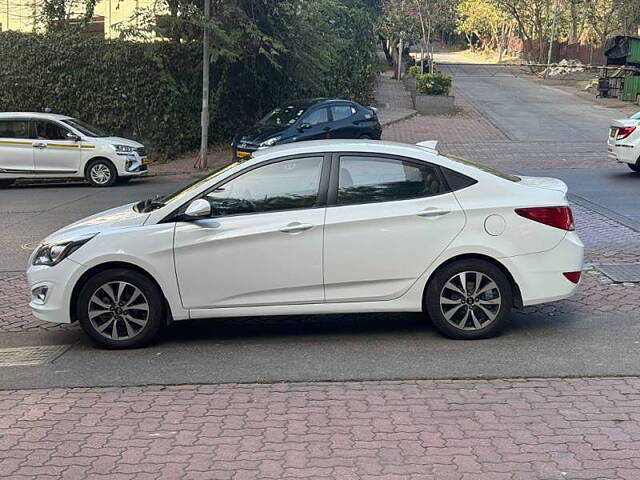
(108, 174)
(490, 318)
(6, 183)
(365, 137)
(152, 298)
(634, 166)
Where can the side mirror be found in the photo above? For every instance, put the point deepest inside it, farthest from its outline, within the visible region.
(73, 137)
(304, 126)
(198, 209)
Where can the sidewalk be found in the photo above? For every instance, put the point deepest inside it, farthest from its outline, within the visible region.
(393, 100)
(549, 429)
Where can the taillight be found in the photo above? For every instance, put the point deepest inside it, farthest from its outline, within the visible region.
(624, 132)
(558, 217)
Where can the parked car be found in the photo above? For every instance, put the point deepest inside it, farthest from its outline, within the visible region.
(313, 119)
(315, 228)
(623, 144)
(42, 145)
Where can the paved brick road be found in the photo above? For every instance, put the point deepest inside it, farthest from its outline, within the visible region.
(441, 430)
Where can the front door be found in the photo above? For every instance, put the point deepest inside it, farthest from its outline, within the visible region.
(16, 147)
(55, 154)
(315, 125)
(263, 242)
(390, 219)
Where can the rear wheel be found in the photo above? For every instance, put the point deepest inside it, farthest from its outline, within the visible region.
(101, 173)
(120, 308)
(469, 299)
(365, 137)
(5, 183)
(634, 166)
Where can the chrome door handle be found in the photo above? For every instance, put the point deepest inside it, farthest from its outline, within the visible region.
(296, 227)
(39, 145)
(432, 212)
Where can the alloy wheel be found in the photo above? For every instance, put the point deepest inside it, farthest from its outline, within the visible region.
(470, 300)
(118, 310)
(100, 174)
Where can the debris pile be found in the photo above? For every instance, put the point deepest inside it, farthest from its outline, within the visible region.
(563, 67)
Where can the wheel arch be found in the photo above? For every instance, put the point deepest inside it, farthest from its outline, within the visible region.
(517, 295)
(93, 159)
(108, 266)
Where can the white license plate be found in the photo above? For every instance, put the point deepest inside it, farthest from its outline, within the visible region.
(613, 131)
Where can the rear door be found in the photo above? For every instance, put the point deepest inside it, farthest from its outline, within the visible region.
(343, 116)
(55, 154)
(16, 147)
(387, 220)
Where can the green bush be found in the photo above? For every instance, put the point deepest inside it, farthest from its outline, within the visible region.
(433, 84)
(414, 71)
(151, 91)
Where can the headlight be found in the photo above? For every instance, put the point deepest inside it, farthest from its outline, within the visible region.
(51, 254)
(269, 142)
(123, 149)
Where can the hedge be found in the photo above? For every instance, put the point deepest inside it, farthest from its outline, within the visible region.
(151, 91)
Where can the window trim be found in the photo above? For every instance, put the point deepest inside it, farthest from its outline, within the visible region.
(177, 215)
(332, 195)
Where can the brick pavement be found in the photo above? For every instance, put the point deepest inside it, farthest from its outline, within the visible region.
(440, 430)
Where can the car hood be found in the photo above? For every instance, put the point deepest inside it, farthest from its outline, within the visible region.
(119, 141)
(119, 217)
(259, 133)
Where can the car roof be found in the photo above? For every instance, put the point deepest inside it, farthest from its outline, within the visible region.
(346, 145)
(37, 115)
(307, 102)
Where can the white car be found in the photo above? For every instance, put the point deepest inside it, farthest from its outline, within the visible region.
(623, 144)
(42, 145)
(329, 226)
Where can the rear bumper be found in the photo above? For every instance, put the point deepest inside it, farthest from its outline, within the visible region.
(623, 153)
(540, 275)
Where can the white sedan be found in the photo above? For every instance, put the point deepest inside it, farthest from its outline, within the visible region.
(623, 144)
(315, 228)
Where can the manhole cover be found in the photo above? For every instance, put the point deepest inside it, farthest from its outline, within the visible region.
(620, 273)
(25, 356)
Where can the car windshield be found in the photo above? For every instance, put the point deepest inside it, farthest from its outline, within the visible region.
(283, 116)
(484, 168)
(84, 128)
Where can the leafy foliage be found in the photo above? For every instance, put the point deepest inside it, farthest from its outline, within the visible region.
(275, 51)
(435, 83)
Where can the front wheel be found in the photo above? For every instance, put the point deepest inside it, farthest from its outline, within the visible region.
(469, 299)
(101, 173)
(5, 183)
(120, 308)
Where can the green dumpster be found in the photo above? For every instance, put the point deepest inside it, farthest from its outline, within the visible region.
(631, 88)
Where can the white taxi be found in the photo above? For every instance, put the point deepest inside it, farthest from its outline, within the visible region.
(623, 144)
(43, 145)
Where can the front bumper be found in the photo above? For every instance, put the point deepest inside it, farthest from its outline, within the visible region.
(59, 281)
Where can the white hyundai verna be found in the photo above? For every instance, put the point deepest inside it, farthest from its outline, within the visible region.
(623, 144)
(313, 228)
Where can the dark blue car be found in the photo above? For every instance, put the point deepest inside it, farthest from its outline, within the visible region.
(312, 119)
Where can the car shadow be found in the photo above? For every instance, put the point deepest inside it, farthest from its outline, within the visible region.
(370, 324)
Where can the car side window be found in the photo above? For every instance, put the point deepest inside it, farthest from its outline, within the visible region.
(286, 185)
(15, 129)
(317, 117)
(50, 131)
(374, 179)
(340, 112)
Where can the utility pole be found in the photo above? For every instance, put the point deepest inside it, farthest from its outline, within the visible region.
(204, 119)
(399, 59)
(553, 35)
